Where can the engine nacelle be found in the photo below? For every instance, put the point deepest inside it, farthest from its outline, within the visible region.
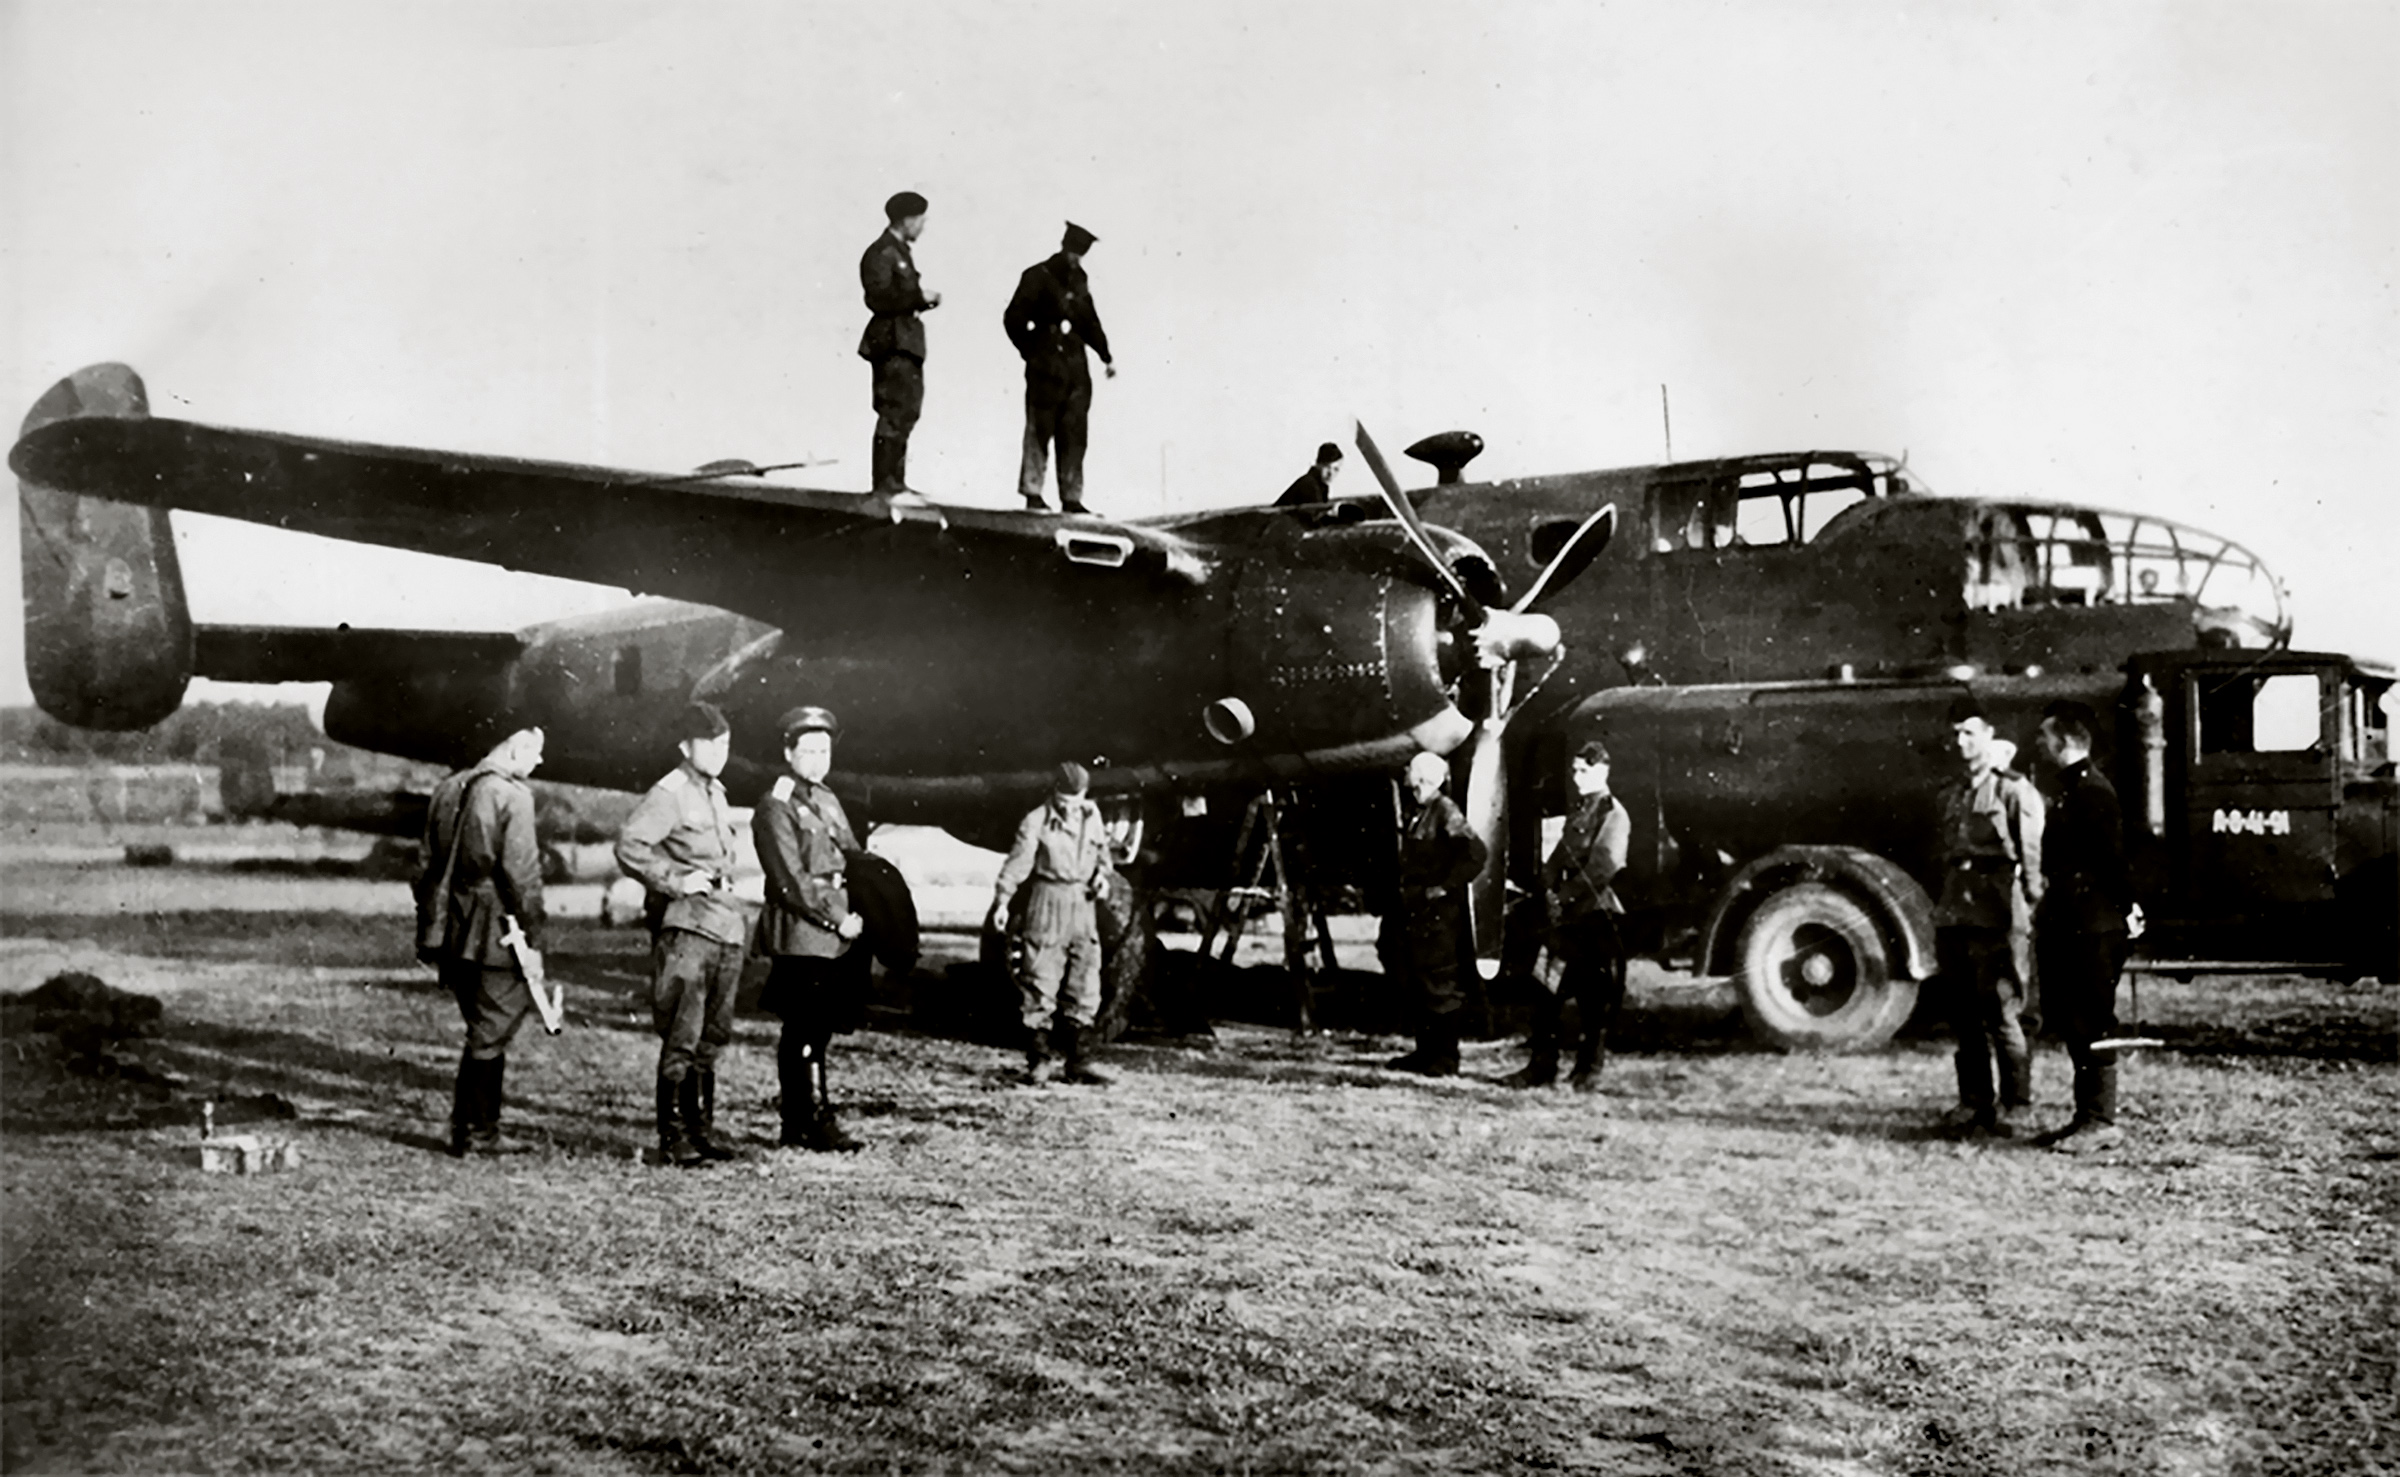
(108, 638)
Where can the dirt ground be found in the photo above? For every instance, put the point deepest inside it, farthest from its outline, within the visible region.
(1267, 1256)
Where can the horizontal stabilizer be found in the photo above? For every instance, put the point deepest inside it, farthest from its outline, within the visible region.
(343, 653)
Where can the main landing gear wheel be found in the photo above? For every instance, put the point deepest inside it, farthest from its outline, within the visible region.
(1815, 975)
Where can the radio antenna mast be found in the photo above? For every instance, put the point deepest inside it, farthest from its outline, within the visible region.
(1666, 420)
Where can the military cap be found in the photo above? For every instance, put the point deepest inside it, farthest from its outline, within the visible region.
(494, 729)
(1328, 452)
(1079, 239)
(1070, 778)
(903, 205)
(808, 718)
(702, 721)
(2073, 717)
(1965, 709)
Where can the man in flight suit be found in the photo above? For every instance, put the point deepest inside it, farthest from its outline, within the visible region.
(679, 841)
(1423, 938)
(483, 866)
(1061, 861)
(894, 342)
(2080, 932)
(1051, 320)
(1991, 855)
(818, 979)
(1583, 927)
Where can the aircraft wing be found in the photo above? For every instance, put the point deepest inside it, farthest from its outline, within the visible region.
(830, 562)
(340, 653)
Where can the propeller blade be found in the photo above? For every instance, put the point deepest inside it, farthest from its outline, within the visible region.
(1572, 559)
(1406, 512)
(1487, 816)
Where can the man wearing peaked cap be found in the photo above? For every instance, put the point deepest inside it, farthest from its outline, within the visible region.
(817, 980)
(1990, 845)
(894, 342)
(679, 841)
(1052, 321)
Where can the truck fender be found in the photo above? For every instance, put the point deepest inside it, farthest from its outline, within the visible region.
(1894, 898)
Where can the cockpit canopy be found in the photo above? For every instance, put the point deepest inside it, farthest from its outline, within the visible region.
(2044, 555)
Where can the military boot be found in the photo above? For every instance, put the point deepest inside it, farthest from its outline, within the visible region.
(825, 1131)
(703, 1128)
(463, 1106)
(1588, 1056)
(673, 1147)
(2098, 1129)
(1077, 1070)
(1039, 1069)
(890, 464)
(1540, 1069)
(799, 1104)
(486, 1138)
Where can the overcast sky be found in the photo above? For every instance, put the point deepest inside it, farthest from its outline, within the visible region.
(2140, 255)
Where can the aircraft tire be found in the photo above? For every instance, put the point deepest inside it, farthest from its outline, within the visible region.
(1816, 973)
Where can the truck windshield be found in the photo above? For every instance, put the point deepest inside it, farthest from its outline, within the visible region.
(2021, 555)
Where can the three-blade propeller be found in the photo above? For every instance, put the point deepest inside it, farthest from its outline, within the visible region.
(1502, 639)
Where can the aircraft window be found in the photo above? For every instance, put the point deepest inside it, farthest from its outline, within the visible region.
(2367, 721)
(1762, 508)
(1761, 519)
(1548, 538)
(2261, 715)
(2076, 556)
(629, 671)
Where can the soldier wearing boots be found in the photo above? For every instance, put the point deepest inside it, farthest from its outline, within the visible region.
(1044, 900)
(817, 981)
(2080, 930)
(1423, 938)
(1991, 857)
(482, 866)
(1583, 927)
(894, 342)
(1051, 321)
(679, 841)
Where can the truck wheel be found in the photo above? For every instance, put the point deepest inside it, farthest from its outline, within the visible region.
(1816, 976)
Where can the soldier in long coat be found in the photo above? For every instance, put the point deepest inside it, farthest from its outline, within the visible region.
(2081, 929)
(818, 972)
(1991, 857)
(680, 842)
(1424, 937)
(894, 342)
(1052, 321)
(483, 866)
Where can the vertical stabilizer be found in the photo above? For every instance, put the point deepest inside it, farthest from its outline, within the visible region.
(108, 639)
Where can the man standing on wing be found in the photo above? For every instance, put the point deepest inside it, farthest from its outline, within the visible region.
(817, 981)
(894, 342)
(1991, 854)
(482, 867)
(1051, 320)
(679, 841)
(1061, 861)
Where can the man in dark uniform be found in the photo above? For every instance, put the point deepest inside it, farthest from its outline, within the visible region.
(818, 979)
(1051, 320)
(483, 867)
(1061, 863)
(2080, 931)
(1583, 927)
(894, 342)
(679, 841)
(1991, 855)
(1423, 938)
(1316, 484)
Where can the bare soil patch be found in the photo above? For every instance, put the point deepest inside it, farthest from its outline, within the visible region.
(1270, 1256)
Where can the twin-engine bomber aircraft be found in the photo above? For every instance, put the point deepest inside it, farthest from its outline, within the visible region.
(967, 651)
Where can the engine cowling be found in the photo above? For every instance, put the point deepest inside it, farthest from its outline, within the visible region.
(108, 637)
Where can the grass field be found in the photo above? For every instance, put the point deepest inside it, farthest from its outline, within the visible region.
(1271, 1256)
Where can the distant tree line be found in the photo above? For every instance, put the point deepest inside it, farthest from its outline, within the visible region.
(197, 733)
